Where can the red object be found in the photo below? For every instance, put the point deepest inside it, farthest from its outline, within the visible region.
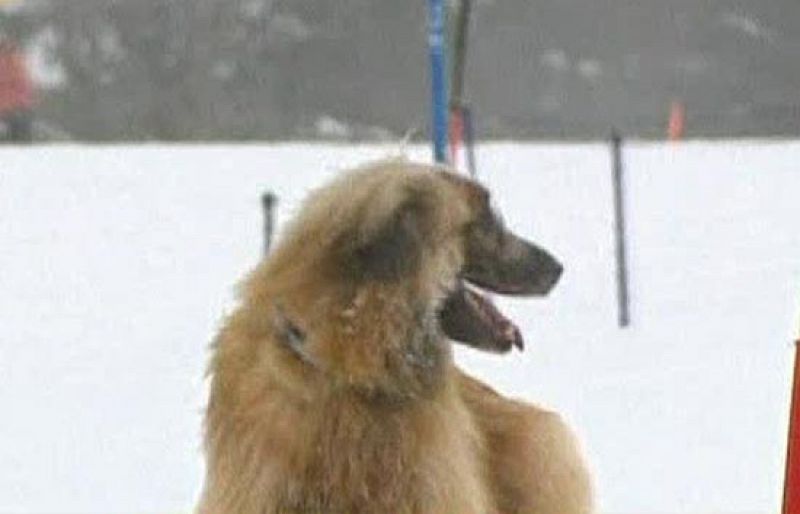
(791, 486)
(16, 87)
(677, 121)
(456, 134)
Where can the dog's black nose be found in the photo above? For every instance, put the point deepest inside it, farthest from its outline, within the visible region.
(558, 272)
(551, 276)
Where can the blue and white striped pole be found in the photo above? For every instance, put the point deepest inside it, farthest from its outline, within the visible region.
(439, 109)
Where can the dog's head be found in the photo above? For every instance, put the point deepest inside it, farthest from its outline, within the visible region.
(436, 233)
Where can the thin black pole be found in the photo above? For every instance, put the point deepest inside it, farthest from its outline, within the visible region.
(268, 201)
(460, 38)
(623, 297)
(460, 115)
(469, 141)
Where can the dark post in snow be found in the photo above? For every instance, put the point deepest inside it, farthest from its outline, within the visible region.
(268, 201)
(619, 229)
(461, 122)
(462, 14)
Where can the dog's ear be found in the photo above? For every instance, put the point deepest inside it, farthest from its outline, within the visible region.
(392, 248)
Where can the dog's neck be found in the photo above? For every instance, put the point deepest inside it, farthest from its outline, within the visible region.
(357, 353)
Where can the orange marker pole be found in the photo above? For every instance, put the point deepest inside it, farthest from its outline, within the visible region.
(791, 485)
(677, 121)
(456, 134)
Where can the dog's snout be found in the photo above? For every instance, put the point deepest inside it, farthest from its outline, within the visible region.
(514, 267)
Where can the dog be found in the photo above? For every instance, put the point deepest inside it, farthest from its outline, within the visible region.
(333, 387)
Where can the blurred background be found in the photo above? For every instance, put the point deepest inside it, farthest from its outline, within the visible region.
(159, 126)
(137, 70)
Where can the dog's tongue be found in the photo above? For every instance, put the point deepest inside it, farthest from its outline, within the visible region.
(503, 329)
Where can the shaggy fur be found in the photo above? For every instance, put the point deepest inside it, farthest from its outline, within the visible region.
(334, 391)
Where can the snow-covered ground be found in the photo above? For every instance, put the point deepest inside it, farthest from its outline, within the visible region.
(117, 263)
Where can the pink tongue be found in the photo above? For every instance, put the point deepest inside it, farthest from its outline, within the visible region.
(503, 328)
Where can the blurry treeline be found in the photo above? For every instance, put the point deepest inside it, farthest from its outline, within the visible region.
(357, 69)
(200, 69)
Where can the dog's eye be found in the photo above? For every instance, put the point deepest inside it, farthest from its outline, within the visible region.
(486, 230)
(499, 228)
(487, 218)
(479, 226)
(491, 222)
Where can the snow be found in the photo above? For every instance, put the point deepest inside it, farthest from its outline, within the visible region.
(119, 262)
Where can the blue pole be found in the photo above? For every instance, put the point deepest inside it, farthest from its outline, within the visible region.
(436, 45)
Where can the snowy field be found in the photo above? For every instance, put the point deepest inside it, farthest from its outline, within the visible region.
(117, 264)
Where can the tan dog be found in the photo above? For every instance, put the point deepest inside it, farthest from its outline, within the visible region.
(333, 385)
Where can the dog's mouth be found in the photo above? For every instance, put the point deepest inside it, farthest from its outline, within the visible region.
(497, 261)
(470, 317)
